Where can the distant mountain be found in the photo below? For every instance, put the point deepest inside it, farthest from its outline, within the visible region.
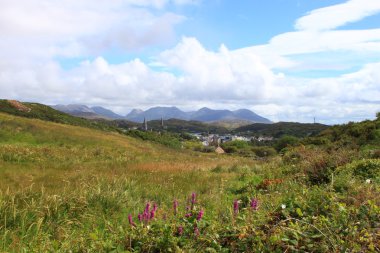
(106, 113)
(87, 112)
(204, 115)
(74, 108)
(156, 113)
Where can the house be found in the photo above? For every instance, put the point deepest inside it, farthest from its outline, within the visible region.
(219, 150)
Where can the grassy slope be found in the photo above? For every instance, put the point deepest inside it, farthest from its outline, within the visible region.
(44, 112)
(43, 150)
(71, 188)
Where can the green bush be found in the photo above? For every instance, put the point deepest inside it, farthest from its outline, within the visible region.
(366, 169)
(264, 151)
(286, 141)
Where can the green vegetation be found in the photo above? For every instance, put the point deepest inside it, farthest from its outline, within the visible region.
(181, 126)
(280, 129)
(43, 112)
(164, 138)
(69, 188)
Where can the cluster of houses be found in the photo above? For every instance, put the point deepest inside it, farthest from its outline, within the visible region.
(216, 140)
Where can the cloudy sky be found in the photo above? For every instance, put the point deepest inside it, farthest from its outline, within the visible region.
(288, 60)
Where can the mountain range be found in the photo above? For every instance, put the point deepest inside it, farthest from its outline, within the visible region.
(204, 115)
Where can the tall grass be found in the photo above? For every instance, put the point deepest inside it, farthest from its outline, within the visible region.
(65, 188)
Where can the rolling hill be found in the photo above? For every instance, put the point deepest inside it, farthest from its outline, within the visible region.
(44, 112)
(279, 129)
(66, 188)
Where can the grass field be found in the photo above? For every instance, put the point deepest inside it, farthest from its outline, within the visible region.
(68, 188)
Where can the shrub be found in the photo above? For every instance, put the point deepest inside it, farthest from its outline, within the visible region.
(285, 141)
(316, 163)
(366, 169)
(264, 151)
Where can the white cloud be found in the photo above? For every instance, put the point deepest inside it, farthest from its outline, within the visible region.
(33, 28)
(33, 33)
(338, 15)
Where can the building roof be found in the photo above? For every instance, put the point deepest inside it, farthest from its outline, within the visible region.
(219, 150)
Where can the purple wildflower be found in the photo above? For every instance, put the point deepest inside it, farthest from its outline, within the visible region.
(254, 204)
(180, 230)
(188, 215)
(146, 213)
(236, 207)
(175, 206)
(200, 215)
(155, 207)
(151, 214)
(196, 231)
(147, 208)
(193, 200)
(140, 217)
(131, 221)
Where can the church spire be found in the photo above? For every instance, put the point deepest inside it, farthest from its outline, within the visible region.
(145, 125)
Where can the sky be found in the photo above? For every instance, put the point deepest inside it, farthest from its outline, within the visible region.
(287, 60)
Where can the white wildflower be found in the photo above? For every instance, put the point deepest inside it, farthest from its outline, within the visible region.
(283, 206)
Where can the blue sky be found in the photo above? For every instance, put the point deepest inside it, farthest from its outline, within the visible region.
(288, 60)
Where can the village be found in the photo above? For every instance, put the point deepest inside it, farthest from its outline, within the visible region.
(216, 140)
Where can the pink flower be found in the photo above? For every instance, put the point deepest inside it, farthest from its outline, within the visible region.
(131, 221)
(254, 204)
(175, 206)
(236, 207)
(200, 215)
(196, 231)
(188, 215)
(180, 230)
(140, 217)
(193, 200)
(151, 214)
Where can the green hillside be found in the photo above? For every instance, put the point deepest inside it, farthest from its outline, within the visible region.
(279, 129)
(44, 112)
(70, 188)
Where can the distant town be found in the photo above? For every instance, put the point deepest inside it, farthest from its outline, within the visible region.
(216, 140)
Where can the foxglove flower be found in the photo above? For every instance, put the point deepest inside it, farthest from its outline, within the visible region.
(180, 230)
(200, 215)
(236, 207)
(196, 231)
(131, 221)
(193, 200)
(254, 204)
(175, 207)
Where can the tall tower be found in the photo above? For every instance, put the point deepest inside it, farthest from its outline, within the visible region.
(145, 125)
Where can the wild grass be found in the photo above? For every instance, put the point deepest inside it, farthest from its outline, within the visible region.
(65, 188)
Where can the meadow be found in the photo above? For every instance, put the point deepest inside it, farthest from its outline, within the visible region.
(67, 188)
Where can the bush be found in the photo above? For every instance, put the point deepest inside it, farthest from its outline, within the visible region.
(366, 169)
(264, 151)
(285, 141)
(316, 163)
